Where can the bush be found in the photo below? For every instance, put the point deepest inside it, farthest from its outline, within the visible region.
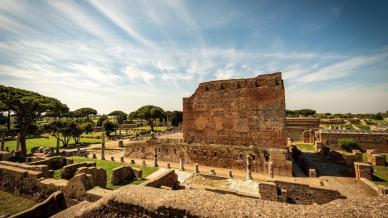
(347, 144)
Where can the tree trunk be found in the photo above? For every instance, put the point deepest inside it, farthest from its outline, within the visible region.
(2, 141)
(17, 148)
(23, 145)
(57, 148)
(152, 125)
(9, 121)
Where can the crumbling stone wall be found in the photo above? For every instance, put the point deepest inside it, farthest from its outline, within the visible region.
(366, 140)
(296, 126)
(237, 112)
(225, 156)
(305, 194)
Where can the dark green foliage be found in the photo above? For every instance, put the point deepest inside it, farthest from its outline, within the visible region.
(378, 116)
(149, 113)
(347, 144)
(85, 112)
(302, 112)
(27, 106)
(109, 127)
(177, 118)
(119, 116)
(101, 120)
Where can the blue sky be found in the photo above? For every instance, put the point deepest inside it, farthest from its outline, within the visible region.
(113, 55)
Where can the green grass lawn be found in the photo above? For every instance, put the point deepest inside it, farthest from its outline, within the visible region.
(305, 146)
(45, 142)
(11, 204)
(109, 166)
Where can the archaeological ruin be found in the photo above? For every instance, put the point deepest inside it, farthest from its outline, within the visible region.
(366, 139)
(227, 121)
(302, 128)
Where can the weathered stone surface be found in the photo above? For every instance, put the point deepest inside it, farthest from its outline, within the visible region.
(363, 170)
(163, 177)
(138, 173)
(365, 139)
(142, 201)
(122, 175)
(51, 162)
(77, 187)
(69, 170)
(224, 156)
(4, 155)
(378, 160)
(53, 204)
(99, 175)
(268, 191)
(237, 112)
(298, 125)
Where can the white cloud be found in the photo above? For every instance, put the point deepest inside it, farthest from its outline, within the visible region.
(343, 68)
(355, 98)
(135, 74)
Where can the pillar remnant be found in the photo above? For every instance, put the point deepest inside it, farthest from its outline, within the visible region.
(168, 166)
(181, 165)
(122, 159)
(196, 168)
(230, 174)
(155, 157)
(132, 161)
(270, 169)
(103, 145)
(249, 166)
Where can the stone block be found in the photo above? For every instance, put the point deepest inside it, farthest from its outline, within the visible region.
(363, 170)
(378, 160)
(268, 191)
(77, 187)
(99, 175)
(357, 155)
(137, 172)
(163, 177)
(4, 155)
(369, 153)
(122, 175)
(312, 173)
(69, 170)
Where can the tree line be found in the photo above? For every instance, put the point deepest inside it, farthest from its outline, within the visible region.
(27, 107)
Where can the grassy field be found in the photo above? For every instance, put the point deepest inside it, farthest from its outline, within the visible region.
(305, 146)
(11, 204)
(109, 166)
(45, 142)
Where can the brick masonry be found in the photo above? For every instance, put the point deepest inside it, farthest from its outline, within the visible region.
(237, 112)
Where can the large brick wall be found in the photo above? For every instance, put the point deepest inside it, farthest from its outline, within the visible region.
(237, 112)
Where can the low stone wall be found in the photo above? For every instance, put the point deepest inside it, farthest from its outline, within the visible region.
(365, 141)
(224, 156)
(53, 163)
(52, 205)
(305, 194)
(163, 177)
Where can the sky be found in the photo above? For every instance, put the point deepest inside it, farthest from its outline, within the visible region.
(120, 55)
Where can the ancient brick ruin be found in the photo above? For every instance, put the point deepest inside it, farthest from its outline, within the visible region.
(302, 128)
(226, 121)
(237, 112)
(366, 139)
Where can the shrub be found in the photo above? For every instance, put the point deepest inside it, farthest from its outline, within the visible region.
(347, 144)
